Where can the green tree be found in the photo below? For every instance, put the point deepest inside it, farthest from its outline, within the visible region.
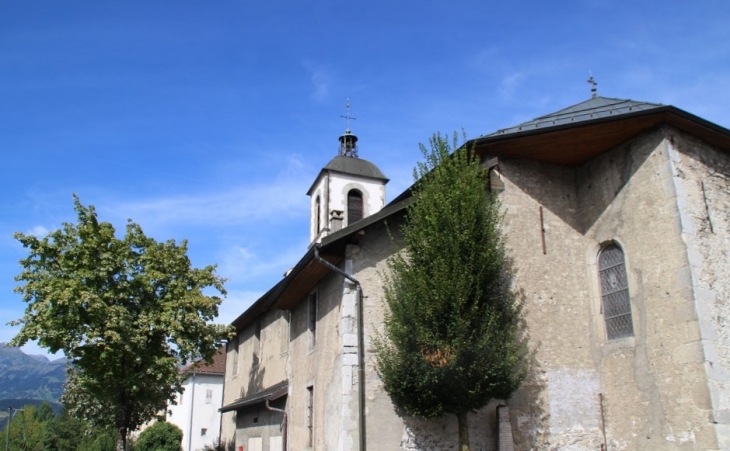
(26, 430)
(126, 312)
(451, 340)
(161, 436)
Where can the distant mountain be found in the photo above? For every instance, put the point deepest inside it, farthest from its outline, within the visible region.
(24, 376)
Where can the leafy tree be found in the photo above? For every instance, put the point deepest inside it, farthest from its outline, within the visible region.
(26, 430)
(451, 340)
(126, 312)
(161, 436)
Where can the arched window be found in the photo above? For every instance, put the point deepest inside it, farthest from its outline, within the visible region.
(318, 216)
(616, 303)
(354, 206)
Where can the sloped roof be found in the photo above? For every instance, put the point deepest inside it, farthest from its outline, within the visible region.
(355, 166)
(594, 108)
(351, 166)
(272, 393)
(575, 135)
(218, 366)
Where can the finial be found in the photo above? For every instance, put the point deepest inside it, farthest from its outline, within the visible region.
(347, 115)
(594, 91)
(348, 141)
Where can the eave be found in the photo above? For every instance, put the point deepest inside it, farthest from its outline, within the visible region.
(575, 144)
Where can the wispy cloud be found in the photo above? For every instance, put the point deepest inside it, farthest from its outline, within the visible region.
(244, 265)
(236, 303)
(321, 80)
(38, 231)
(260, 202)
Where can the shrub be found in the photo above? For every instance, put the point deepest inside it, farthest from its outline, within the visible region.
(161, 436)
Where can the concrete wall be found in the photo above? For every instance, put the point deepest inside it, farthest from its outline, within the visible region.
(701, 175)
(317, 364)
(646, 391)
(247, 378)
(197, 411)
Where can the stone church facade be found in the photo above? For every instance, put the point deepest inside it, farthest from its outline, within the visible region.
(617, 217)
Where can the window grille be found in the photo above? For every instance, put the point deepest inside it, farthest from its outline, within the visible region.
(616, 303)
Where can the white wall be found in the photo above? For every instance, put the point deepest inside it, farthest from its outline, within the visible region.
(202, 398)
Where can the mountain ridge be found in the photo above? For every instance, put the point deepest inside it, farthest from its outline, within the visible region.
(24, 376)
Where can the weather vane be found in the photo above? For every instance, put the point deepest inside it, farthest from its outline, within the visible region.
(594, 91)
(347, 115)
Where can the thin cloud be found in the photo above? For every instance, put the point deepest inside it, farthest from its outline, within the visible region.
(321, 81)
(246, 204)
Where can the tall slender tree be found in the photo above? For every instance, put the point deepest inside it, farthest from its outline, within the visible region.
(126, 312)
(451, 341)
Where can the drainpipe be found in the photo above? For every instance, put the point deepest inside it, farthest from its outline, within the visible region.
(190, 423)
(360, 345)
(284, 423)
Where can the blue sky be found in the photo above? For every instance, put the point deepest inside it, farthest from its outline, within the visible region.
(208, 120)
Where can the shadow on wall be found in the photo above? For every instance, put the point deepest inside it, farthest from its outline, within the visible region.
(529, 413)
(218, 445)
(579, 196)
(255, 380)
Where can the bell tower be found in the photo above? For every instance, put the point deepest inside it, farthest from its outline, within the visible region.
(346, 190)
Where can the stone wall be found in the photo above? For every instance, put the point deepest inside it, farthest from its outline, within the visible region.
(702, 177)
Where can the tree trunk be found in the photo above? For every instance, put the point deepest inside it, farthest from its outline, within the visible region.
(463, 432)
(122, 439)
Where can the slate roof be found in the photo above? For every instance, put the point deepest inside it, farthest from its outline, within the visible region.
(351, 166)
(594, 108)
(218, 366)
(355, 166)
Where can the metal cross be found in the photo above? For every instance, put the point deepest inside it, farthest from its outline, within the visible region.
(347, 114)
(594, 91)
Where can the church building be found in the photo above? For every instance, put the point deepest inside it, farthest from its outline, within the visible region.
(617, 219)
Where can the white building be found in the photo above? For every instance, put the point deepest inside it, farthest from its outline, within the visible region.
(196, 412)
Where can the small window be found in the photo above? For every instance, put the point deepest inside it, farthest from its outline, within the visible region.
(208, 396)
(257, 344)
(312, 316)
(203, 432)
(354, 206)
(236, 345)
(615, 299)
(310, 416)
(318, 217)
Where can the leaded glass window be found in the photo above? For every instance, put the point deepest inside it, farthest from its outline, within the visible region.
(616, 304)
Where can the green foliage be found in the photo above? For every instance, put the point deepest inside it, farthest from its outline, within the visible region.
(126, 312)
(451, 341)
(161, 436)
(39, 429)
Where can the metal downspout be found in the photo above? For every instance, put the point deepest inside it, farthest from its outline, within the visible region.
(190, 423)
(284, 423)
(360, 346)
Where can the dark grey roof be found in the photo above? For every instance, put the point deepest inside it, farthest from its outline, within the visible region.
(355, 166)
(594, 108)
(272, 393)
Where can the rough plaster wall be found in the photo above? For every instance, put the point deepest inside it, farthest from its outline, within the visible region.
(653, 384)
(702, 176)
(249, 379)
(545, 412)
(317, 366)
